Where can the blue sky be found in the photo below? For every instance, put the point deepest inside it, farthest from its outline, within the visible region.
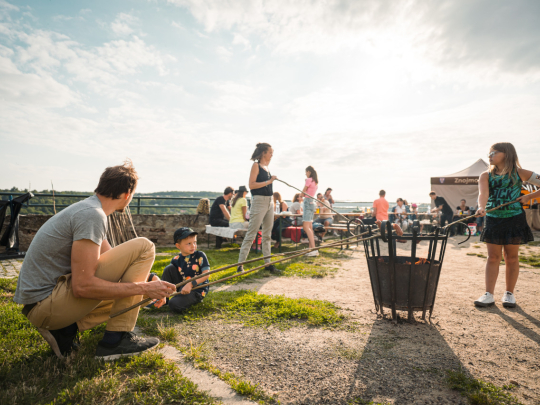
(372, 94)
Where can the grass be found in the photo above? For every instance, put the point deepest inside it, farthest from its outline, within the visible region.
(323, 265)
(253, 309)
(360, 401)
(532, 260)
(479, 392)
(198, 355)
(30, 374)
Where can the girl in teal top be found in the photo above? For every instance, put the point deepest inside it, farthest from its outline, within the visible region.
(506, 228)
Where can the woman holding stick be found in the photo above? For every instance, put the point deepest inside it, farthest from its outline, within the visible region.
(262, 206)
(310, 188)
(505, 228)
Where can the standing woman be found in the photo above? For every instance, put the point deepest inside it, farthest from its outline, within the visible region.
(262, 206)
(309, 207)
(506, 227)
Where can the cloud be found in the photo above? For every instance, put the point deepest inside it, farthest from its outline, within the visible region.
(224, 53)
(492, 40)
(122, 24)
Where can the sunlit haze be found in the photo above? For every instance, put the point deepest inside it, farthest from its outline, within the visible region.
(373, 94)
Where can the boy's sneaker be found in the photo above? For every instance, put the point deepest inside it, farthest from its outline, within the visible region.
(313, 253)
(129, 345)
(485, 300)
(508, 300)
(60, 344)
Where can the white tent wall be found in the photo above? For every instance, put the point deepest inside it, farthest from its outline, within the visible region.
(463, 184)
(454, 194)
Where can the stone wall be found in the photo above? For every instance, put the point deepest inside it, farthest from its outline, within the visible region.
(158, 228)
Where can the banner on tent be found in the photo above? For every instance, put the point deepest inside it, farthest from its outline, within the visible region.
(449, 181)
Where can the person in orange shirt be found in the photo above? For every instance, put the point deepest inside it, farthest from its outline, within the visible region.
(380, 207)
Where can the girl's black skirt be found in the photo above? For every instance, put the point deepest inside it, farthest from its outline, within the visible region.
(507, 231)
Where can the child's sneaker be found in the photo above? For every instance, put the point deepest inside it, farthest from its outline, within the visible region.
(508, 300)
(485, 300)
(313, 253)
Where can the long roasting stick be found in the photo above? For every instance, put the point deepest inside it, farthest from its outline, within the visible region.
(320, 202)
(289, 254)
(475, 216)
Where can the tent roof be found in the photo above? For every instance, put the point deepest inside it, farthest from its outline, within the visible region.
(474, 170)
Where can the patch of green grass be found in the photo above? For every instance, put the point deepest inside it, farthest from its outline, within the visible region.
(349, 353)
(477, 254)
(531, 260)
(479, 392)
(318, 267)
(253, 309)
(31, 374)
(534, 243)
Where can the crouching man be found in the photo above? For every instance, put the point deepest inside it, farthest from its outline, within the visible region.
(72, 280)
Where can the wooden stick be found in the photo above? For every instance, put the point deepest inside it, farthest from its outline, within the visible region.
(476, 216)
(295, 253)
(320, 202)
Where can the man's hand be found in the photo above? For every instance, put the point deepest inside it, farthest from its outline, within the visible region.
(186, 289)
(159, 289)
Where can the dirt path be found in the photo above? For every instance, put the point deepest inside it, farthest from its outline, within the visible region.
(377, 360)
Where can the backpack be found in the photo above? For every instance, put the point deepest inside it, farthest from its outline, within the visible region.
(204, 207)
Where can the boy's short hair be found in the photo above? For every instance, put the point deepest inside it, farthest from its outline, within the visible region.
(183, 233)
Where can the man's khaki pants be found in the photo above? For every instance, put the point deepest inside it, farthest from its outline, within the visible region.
(127, 263)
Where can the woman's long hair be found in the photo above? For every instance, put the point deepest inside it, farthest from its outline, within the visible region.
(238, 195)
(511, 161)
(296, 197)
(277, 197)
(312, 174)
(259, 150)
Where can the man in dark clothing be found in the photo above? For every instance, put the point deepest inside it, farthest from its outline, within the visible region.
(442, 206)
(219, 213)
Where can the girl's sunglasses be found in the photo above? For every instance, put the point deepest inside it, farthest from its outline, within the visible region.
(491, 154)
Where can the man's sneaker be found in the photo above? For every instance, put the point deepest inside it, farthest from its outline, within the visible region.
(485, 300)
(129, 345)
(272, 269)
(60, 344)
(313, 253)
(508, 300)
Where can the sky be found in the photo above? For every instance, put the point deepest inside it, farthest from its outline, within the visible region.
(373, 94)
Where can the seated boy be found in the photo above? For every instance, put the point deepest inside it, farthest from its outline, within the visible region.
(188, 264)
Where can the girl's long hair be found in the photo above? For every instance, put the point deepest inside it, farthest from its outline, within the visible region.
(277, 197)
(511, 161)
(259, 150)
(296, 198)
(238, 195)
(312, 174)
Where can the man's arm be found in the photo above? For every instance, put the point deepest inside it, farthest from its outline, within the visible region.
(105, 246)
(225, 211)
(84, 261)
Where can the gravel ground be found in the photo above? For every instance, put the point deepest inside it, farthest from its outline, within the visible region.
(373, 359)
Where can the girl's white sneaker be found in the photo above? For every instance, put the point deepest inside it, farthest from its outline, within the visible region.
(313, 253)
(485, 300)
(508, 300)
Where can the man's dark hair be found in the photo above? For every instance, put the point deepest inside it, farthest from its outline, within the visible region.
(399, 199)
(117, 180)
(228, 190)
(382, 193)
(327, 190)
(433, 193)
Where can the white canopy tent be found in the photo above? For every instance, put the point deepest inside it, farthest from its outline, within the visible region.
(463, 184)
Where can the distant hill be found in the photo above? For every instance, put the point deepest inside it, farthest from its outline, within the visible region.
(147, 206)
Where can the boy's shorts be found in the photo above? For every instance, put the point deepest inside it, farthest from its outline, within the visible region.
(309, 210)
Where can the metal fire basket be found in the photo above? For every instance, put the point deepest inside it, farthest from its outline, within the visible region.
(405, 283)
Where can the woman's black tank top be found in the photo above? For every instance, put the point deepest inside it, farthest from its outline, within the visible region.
(261, 178)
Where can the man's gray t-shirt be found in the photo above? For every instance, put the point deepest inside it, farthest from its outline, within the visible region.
(49, 255)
